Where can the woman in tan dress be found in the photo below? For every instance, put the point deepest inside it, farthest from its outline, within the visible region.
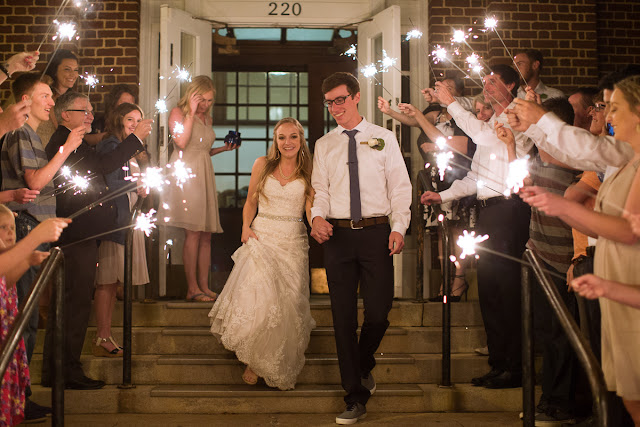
(195, 206)
(618, 248)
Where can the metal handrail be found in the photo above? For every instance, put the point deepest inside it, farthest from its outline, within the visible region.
(53, 266)
(577, 340)
(128, 307)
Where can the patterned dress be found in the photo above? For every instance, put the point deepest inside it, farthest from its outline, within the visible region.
(16, 377)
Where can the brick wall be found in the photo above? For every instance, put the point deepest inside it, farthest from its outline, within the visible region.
(107, 47)
(620, 21)
(580, 39)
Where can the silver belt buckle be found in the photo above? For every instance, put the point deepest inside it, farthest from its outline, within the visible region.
(355, 228)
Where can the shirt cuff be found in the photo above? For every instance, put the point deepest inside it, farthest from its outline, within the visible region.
(399, 229)
(446, 196)
(316, 211)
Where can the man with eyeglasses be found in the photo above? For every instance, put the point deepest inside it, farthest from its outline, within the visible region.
(360, 178)
(74, 111)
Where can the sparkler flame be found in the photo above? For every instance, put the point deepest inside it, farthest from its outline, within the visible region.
(91, 80)
(80, 183)
(161, 106)
(183, 74)
(178, 129)
(414, 34)
(65, 30)
(369, 70)
(181, 173)
(473, 59)
(458, 36)
(65, 171)
(440, 54)
(386, 61)
(441, 142)
(477, 68)
(146, 222)
(518, 171)
(442, 161)
(467, 242)
(351, 52)
(490, 23)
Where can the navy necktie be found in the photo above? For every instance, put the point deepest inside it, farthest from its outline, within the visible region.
(354, 183)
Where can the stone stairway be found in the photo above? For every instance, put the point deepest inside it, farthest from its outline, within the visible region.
(179, 367)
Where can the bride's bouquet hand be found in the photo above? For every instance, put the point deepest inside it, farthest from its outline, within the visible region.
(247, 233)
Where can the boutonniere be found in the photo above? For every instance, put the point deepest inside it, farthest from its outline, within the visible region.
(375, 143)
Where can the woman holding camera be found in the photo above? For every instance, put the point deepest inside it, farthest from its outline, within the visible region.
(195, 206)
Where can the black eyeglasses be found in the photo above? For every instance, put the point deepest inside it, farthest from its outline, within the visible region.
(86, 112)
(337, 101)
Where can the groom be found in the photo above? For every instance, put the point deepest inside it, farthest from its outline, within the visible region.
(360, 178)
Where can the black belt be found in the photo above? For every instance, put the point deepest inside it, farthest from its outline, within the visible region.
(364, 222)
(493, 201)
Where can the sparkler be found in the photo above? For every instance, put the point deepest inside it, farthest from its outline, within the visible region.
(65, 30)
(467, 242)
(369, 70)
(161, 106)
(183, 74)
(178, 129)
(387, 62)
(491, 23)
(181, 173)
(146, 222)
(351, 52)
(413, 34)
(518, 171)
(442, 162)
(459, 36)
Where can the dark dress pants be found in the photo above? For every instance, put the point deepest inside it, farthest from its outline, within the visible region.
(80, 272)
(353, 256)
(506, 221)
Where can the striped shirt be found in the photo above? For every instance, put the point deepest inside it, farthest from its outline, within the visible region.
(22, 151)
(549, 237)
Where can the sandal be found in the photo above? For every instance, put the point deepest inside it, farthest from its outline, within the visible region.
(453, 297)
(249, 377)
(201, 297)
(100, 351)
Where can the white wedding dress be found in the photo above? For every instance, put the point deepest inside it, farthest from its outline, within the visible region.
(263, 312)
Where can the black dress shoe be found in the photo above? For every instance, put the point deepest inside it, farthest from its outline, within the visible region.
(83, 383)
(479, 381)
(505, 380)
(33, 411)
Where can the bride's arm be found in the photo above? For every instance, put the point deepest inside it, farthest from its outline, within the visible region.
(251, 204)
(309, 205)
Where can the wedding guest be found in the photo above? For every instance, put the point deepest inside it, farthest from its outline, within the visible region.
(63, 74)
(79, 243)
(529, 65)
(15, 259)
(195, 206)
(506, 220)
(263, 312)
(121, 123)
(357, 187)
(582, 102)
(617, 249)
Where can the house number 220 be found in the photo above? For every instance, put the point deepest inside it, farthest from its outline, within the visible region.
(285, 8)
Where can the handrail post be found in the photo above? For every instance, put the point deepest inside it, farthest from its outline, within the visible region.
(446, 306)
(57, 391)
(577, 341)
(528, 371)
(128, 307)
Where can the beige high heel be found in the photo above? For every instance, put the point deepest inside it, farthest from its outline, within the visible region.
(249, 377)
(100, 351)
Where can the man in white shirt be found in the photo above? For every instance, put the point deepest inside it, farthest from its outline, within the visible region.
(360, 178)
(505, 220)
(529, 65)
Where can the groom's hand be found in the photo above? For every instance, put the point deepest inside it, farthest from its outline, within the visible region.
(396, 243)
(321, 230)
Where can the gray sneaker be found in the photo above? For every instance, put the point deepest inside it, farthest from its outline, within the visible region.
(351, 415)
(369, 383)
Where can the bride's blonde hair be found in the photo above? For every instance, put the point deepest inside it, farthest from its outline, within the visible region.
(303, 161)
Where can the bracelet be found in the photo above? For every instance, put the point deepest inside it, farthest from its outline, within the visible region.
(4, 70)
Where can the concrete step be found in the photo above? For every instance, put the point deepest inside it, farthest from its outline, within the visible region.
(243, 399)
(403, 313)
(227, 370)
(198, 340)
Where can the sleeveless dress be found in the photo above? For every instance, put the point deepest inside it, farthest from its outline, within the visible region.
(263, 313)
(620, 323)
(195, 206)
(16, 378)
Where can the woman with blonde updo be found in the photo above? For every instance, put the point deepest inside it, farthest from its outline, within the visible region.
(195, 206)
(263, 311)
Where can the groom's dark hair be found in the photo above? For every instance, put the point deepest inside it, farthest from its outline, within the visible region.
(341, 78)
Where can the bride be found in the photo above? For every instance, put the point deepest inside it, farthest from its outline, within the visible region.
(263, 312)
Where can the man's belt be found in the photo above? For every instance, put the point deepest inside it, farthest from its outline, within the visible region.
(364, 222)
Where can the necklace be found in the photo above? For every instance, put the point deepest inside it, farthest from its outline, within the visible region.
(282, 173)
